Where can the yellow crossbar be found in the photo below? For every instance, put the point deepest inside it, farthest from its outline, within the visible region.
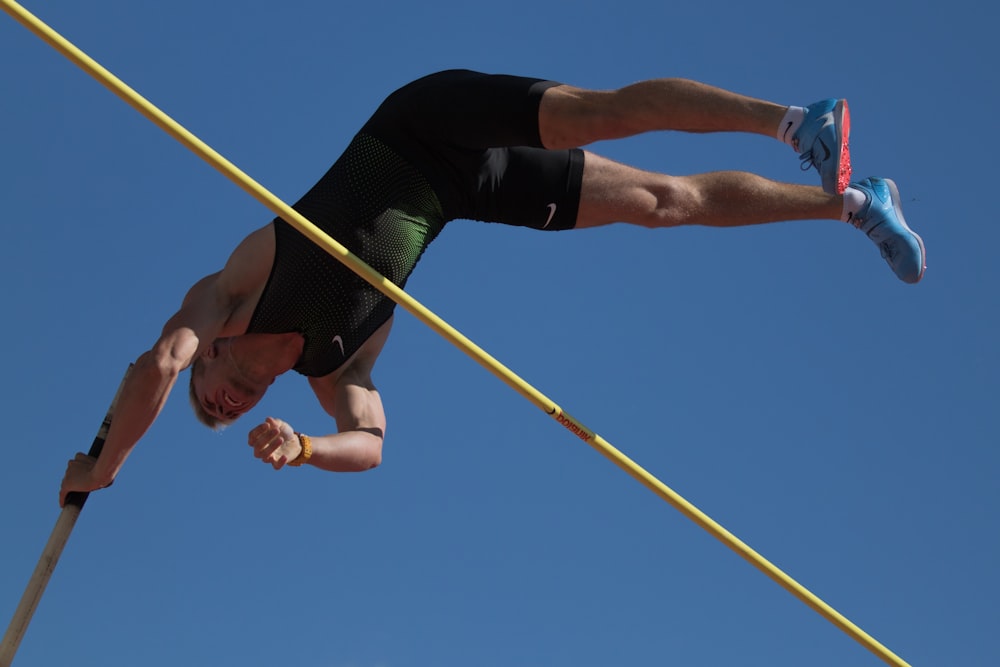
(286, 212)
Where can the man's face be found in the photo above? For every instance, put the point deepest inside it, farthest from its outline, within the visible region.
(219, 386)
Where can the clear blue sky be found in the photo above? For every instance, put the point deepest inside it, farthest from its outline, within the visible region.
(780, 378)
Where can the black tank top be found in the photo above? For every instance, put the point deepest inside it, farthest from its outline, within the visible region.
(381, 209)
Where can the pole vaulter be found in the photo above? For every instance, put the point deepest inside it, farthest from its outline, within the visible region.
(338, 251)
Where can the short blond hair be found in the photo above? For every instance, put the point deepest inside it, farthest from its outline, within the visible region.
(203, 415)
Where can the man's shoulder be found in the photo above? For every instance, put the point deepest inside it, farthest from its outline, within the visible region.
(240, 284)
(254, 255)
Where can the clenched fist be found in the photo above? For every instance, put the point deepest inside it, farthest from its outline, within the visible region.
(275, 442)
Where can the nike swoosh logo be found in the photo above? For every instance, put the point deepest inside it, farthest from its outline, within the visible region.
(825, 148)
(784, 137)
(339, 341)
(552, 213)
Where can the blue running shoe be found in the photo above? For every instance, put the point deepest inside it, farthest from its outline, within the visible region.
(881, 218)
(822, 142)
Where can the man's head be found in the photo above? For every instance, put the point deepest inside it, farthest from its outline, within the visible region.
(220, 389)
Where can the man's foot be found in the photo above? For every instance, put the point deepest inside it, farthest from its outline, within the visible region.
(822, 141)
(881, 218)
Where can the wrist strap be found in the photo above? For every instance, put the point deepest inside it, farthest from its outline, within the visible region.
(306, 453)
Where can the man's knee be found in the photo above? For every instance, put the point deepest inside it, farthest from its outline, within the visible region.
(676, 201)
(615, 192)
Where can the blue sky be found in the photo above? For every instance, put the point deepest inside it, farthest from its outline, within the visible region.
(780, 378)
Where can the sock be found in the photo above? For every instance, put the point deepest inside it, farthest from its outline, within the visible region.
(790, 125)
(854, 200)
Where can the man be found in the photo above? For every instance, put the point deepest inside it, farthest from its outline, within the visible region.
(461, 144)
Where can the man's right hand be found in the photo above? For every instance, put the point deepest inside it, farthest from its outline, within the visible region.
(80, 477)
(274, 442)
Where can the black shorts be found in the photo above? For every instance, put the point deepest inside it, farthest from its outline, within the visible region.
(475, 138)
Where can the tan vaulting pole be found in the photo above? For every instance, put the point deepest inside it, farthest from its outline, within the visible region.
(53, 549)
(286, 212)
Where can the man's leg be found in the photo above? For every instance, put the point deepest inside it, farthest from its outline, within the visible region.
(570, 117)
(614, 192)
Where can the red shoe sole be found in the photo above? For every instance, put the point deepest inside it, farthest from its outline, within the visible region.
(843, 120)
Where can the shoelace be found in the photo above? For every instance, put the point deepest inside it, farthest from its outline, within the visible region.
(807, 161)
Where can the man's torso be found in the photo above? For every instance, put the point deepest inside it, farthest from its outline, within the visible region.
(384, 212)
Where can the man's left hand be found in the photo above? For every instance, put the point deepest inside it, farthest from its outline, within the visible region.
(80, 477)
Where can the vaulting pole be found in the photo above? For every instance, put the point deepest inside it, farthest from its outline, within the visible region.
(287, 213)
(53, 549)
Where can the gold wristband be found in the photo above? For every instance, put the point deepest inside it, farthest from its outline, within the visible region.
(306, 453)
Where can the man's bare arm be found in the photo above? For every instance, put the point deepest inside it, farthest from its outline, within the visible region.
(350, 397)
(148, 385)
(218, 305)
(357, 408)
